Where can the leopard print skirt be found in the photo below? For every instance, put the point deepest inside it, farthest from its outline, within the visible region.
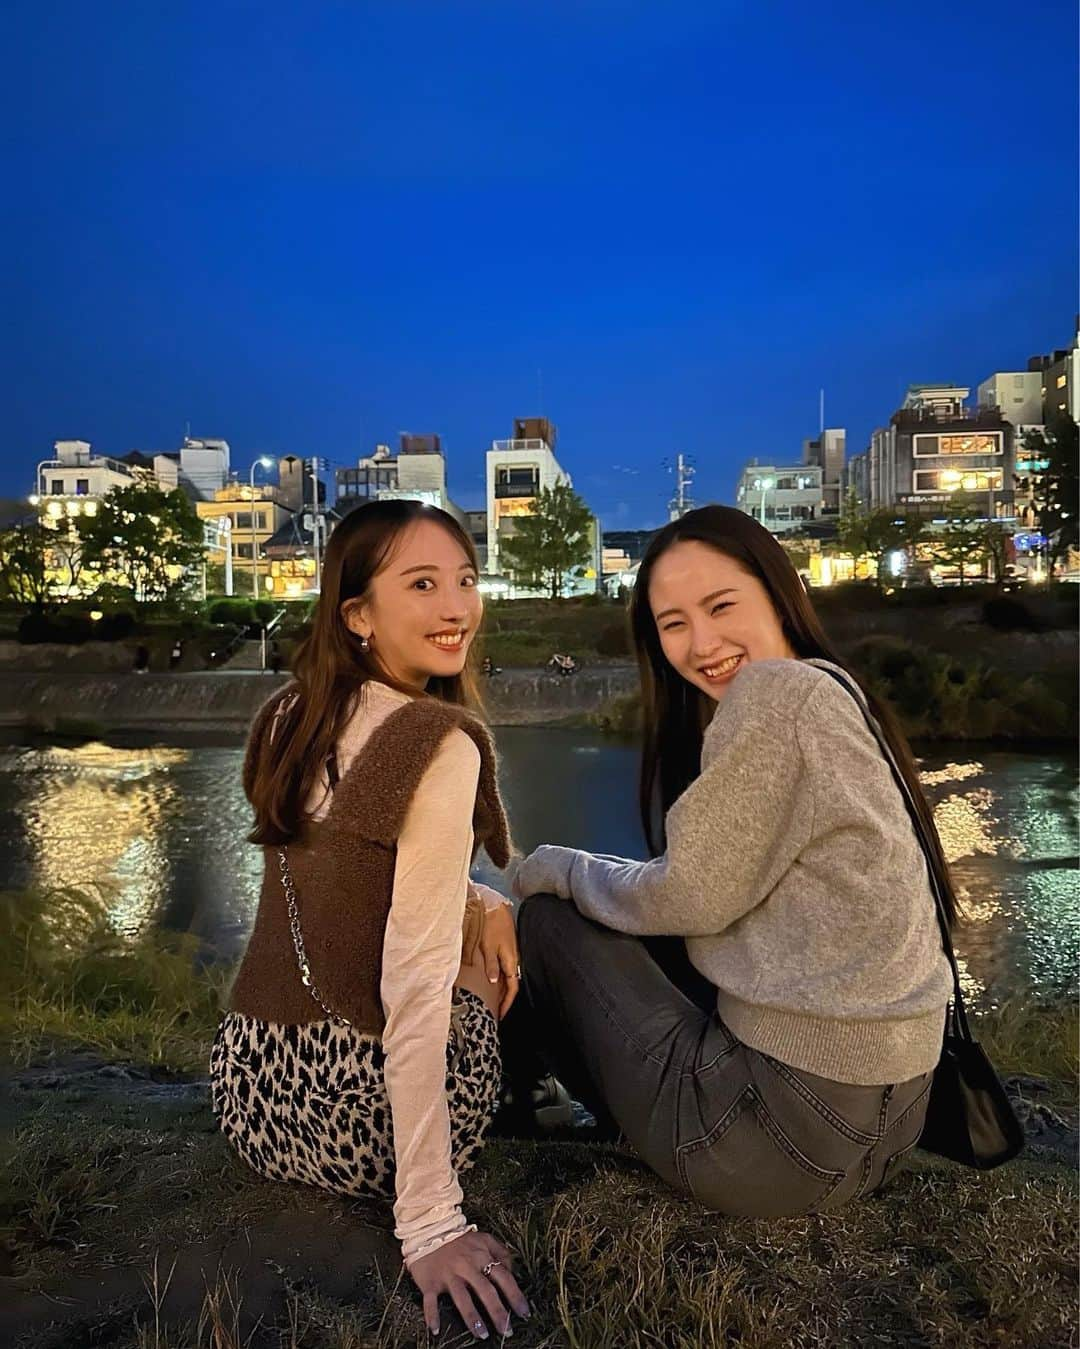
(308, 1103)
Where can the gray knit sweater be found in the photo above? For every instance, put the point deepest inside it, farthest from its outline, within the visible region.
(793, 871)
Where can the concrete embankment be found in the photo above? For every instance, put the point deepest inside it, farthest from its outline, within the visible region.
(213, 702)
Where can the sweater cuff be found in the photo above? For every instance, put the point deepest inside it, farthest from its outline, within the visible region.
(410, 1254)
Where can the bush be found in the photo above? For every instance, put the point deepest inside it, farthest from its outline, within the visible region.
(937, 696)
(69, 629)
(115, 627)
(1008, 614)
(234, 611)
(614, 640)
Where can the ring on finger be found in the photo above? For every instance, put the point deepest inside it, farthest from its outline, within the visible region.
(478, 1325)
(489, 1267)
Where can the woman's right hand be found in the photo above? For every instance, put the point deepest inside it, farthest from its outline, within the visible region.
(458, 1268)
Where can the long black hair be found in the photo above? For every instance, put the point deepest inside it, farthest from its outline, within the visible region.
(675, 713)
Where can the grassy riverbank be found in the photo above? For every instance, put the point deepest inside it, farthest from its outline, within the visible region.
(128, 1222)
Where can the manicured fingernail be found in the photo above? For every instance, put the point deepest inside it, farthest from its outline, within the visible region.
(493, 978)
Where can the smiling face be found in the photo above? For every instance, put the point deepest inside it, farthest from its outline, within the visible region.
(712, 615)
(422, 609)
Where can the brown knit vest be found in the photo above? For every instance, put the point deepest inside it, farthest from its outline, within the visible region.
(343, 870)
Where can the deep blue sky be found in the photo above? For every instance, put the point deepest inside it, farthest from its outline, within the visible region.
(306, 227)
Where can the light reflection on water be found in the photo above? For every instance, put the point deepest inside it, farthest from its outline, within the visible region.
(162, 829)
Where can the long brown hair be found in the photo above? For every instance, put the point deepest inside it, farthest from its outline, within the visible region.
(675, 713)
(331, 666)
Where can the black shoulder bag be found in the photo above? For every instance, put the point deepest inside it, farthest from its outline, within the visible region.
(969, 1119)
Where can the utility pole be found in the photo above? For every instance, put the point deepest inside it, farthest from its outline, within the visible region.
(681, 502)
(316, 519)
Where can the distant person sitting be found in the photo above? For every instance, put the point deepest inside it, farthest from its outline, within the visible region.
(275, 658)
(489, 668)
(142, 659)
(562, 665)
(176, 654)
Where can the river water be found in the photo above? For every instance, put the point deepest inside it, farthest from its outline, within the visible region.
(159, 830)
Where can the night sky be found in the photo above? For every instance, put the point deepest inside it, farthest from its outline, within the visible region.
(308, 227)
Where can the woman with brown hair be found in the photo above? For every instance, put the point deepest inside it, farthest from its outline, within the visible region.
(785, 1066)
(360, 1048)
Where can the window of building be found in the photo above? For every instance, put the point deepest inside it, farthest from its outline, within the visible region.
(1018, 381)
(82, 487)
(57, 487)
(519, 481)
(929, 446)
(958, 480)
(1062, 380)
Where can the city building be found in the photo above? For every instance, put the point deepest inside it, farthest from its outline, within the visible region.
(780, 498)
(827, 453)
(1059, 373)
(294, 553)
(941, 446)
(632, 542)
(856, 481)
(204, 467)
(1017, 395)
(416, 473)
(936, 445)
(254, 516)
(75, 472)
(517, 471)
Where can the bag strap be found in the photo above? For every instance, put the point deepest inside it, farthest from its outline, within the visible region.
(957, 1014)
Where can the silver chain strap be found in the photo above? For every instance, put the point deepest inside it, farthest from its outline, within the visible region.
(298, 939)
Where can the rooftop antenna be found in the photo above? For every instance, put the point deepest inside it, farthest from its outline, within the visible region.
(821, 413)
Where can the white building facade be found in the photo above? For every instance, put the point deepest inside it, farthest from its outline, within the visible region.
(780, 498)
(1017, 393)
(518, 470)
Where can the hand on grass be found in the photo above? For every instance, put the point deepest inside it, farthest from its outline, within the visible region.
(457, 1268)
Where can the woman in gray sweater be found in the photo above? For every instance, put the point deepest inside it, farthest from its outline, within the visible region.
(786, 1067)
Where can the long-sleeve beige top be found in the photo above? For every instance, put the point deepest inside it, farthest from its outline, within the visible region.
(421, 958)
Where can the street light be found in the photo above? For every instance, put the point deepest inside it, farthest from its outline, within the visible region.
(266, 462)
(764, 484)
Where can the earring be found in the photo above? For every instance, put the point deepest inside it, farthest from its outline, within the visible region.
(365, 645)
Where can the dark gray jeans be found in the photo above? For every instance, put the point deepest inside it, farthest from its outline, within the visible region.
(739, 1131)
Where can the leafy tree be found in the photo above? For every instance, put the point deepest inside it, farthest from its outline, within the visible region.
(877, 535)
(1057, 487)
(24, 553)
(961, 541)
(549, 544)
(142, 541)
(66, 553)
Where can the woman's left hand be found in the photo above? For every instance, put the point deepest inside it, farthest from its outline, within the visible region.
(502, 961)
(546, 870)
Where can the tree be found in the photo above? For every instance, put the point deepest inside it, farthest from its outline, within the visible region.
(142, 540)
(1057, 487)
(961, 540)
(24, 551)
(550, 543)
(877, 535)
(851, 526)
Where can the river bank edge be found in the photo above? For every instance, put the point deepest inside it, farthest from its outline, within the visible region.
(80, 705)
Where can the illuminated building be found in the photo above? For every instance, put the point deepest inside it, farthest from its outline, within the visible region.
(781, 499)
(518, 470)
